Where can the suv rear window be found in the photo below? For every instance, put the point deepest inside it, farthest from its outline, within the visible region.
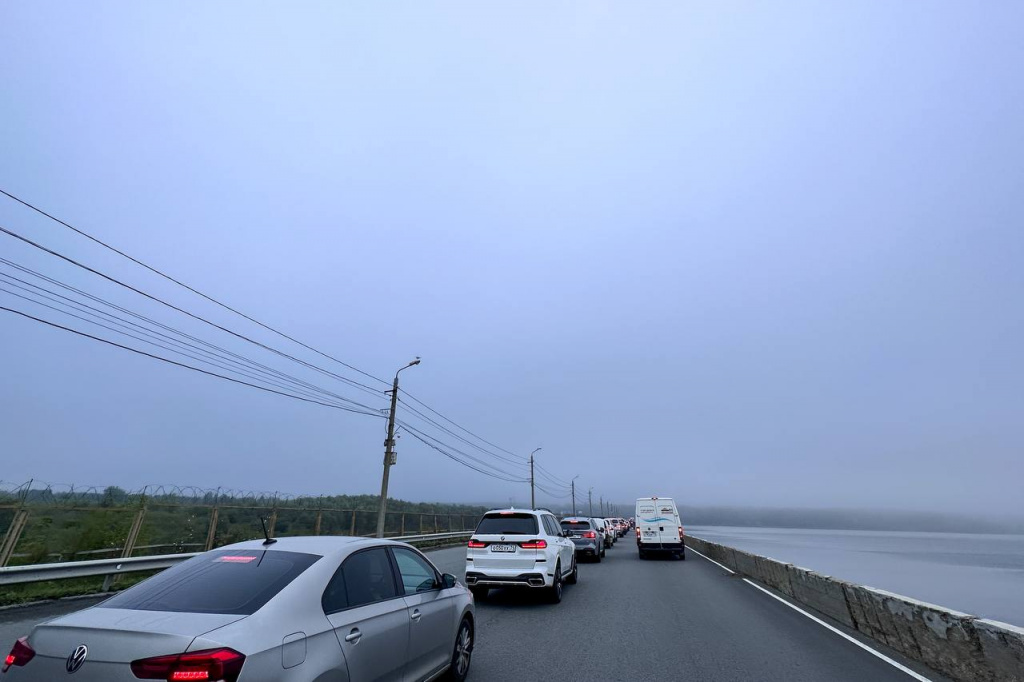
(236, 582)
(507, 524)
(576, 524)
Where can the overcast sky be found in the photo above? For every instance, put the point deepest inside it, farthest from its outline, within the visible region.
(738, 253)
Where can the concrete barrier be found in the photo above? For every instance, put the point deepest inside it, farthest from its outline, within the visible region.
(958, 645)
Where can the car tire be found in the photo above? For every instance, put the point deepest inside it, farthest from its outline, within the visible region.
(603, 552)
(555, 591)
(574, 577)
(462, 656)
(682, 555)
(643, 554)
(597, 557)
(480, 593)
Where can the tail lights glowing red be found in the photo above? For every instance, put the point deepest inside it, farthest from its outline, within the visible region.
(534, 544)
(680, 533)
(590, 534)
(476, 544)
(210, 664)
(21, 653)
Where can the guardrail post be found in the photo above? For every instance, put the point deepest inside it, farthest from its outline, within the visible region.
(12, 535)
(352, 532)
(211, 533)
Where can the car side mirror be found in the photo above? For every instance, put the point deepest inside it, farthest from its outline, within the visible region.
(448, 581)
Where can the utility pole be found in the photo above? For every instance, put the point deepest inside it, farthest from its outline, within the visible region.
(389, 453)
(533, 501)
(602, 506)
(590, 500)
(572, 484)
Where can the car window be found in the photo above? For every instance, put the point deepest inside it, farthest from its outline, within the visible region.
(547, 525)
(507, 523)
(236, 582)
(369, 577)
(335, 598)
(417, 575)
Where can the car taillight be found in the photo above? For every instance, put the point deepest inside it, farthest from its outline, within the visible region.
(590, 534)
(476, 544)
(21, 653)
(534, 544)
(210, 664)
(637, 533)
(680, 532)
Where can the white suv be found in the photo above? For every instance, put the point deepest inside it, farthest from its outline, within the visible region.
(520, 548)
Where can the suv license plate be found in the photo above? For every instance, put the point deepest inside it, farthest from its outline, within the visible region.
(503, 548)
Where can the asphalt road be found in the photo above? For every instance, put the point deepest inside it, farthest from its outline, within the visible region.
(628, 619)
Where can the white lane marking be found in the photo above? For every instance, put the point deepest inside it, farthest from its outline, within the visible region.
(712, 560)
(842, 634)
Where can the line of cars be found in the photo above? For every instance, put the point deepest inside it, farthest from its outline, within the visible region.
(531, 548)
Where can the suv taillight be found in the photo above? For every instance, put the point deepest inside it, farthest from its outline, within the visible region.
(210, 664)
(476, 544)
(534, 544)
(590, 534)
(21, 653)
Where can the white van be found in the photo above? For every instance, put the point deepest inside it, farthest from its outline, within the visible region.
(658, 528)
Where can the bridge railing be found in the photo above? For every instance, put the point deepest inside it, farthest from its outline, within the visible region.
(48, 526)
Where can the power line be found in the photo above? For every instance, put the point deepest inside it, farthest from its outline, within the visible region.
(551, 477)
(458, 426)
(161, 346)
(221, 353)
(479, 461)
(181, 310)
(181, 364)
(182, 284)
(463, 463)
(461, 438)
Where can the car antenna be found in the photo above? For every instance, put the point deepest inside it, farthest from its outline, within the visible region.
(269, 540)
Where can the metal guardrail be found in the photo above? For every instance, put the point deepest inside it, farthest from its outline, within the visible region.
(66, 570)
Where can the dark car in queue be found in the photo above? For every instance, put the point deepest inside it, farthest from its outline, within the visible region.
(585, 534)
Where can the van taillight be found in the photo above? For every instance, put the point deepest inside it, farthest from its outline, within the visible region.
(638, 533)
(476, 544)
(21, 653)
(680, 532)
(534, 544)
(210, 664)
(590, 534)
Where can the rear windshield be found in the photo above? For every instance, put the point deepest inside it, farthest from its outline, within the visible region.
(576, 525)
(226, 581)
(508, 524)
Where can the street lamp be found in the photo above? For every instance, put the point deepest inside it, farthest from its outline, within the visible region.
(533, 501)
(389, 451)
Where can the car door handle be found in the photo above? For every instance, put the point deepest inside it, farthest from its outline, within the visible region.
(353, 636)
(416, 615)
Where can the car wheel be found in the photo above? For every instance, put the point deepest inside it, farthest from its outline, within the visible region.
(597, 557)
(574, 577)
(603, 552)
(463, 653)
(480, 593)
(643, 554)
(682, 555)
(555, 595)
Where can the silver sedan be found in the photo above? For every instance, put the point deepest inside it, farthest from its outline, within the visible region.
(315, 609)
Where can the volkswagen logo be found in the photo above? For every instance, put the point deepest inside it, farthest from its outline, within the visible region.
(77, 658)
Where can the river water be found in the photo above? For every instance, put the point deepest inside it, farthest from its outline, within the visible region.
(978, 574)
